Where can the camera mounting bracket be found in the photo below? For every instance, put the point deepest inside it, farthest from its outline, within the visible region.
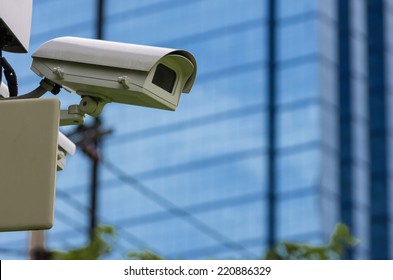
(76, 113)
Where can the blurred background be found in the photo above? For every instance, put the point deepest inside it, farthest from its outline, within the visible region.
(285, 133)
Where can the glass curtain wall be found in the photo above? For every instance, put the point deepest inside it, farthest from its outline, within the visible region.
(194, 183)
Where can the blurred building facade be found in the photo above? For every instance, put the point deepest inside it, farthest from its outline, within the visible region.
(285, 133)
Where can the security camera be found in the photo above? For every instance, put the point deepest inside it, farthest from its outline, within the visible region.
(4, 91)
(65, 146)
(116, 72)
(15, 24)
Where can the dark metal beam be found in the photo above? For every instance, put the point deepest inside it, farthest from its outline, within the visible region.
(100, 19)
(95, 168)
(345, 116)
(378, 130)
(271, 123)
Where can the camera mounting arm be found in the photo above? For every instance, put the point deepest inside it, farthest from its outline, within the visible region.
(45, 86)
(76, 113)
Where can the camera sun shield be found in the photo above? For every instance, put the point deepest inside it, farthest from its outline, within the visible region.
(117, 72)
(15, 25)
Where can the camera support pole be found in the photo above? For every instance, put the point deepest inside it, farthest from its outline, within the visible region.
(76, 113)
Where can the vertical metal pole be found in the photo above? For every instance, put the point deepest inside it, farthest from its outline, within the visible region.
(345, 118)
(378, 114)
(100, 19)
(271, 123)
(94, 185)
(37, 250)
(97, 123)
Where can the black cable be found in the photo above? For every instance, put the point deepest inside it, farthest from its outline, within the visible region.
(131, 238)
(176, 210)
(10, 76)
(197, 208)
(1, 68)
(191, 166)
(207, 119)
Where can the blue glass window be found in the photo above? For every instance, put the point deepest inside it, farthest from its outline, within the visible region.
(289, 8)
(298, 218)
(297, 39)
(298, 126)
(297, 171)
(191, 18)
(298, 82)
(50, 11)
(358, 12)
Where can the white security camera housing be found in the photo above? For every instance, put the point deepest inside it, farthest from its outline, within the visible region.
(4, 90)
(65, 146)
(15, 24)
(117, 72)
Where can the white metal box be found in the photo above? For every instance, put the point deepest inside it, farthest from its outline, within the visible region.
(28, 150)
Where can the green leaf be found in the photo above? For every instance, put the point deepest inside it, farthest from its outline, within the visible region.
(144, 255)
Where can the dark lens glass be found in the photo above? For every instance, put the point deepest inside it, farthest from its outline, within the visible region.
(164, 77)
